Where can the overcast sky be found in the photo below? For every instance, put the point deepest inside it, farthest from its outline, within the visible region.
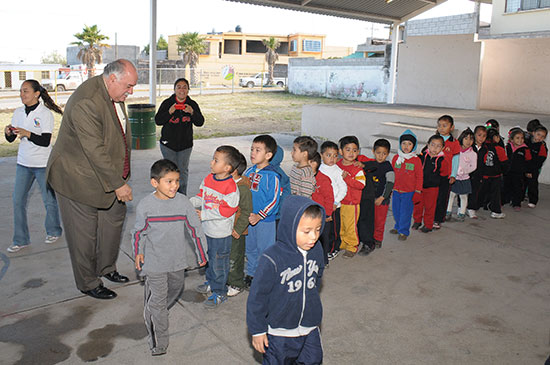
(33, 28)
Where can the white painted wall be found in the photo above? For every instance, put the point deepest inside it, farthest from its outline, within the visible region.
(440, 70)
(523, 21)
(350, 79)
(515, 75)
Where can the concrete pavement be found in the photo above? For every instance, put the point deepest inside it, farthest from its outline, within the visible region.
(476, 292)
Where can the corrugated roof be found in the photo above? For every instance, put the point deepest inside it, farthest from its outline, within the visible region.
(377, 11)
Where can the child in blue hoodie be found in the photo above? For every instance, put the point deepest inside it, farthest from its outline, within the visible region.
(284, 309)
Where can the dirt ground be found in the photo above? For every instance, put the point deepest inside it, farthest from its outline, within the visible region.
(226, 115)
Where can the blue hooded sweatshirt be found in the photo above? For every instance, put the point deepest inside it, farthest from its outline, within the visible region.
(284, 181)
(284, 294)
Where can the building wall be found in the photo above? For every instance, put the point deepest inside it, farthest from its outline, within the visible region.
(10, 74)
(130, 53)
(439, 71)
(515, 75)
(351, 79)
(445, 25)
(522, 21)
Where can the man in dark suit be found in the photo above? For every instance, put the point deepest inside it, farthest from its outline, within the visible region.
(89, 169)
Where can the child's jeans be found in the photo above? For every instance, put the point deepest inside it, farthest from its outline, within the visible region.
(260, 237)
(294, 350)
(161, 292)
(402, 207)
(426, 207)
(380, 214)
(218, 264)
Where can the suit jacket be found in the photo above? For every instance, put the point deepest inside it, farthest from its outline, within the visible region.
(87, 161)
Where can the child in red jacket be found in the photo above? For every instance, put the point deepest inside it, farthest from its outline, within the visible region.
(324, 195)
(408, 184)
(355, 180)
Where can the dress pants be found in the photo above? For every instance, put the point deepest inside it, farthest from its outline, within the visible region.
(93, 237)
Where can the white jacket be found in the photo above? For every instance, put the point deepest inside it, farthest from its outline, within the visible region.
(339, 186)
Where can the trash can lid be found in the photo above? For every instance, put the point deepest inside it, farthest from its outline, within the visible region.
(140, 106)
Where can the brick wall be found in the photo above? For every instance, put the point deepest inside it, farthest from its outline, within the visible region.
(454, 24)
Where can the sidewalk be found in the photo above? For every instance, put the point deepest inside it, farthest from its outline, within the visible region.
(476, 292)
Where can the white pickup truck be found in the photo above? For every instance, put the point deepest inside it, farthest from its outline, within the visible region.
(65, 81)
(260, 77)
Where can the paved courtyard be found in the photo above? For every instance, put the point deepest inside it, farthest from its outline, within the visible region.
(476, 292)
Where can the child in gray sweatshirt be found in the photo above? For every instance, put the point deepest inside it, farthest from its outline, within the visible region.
(167, 228)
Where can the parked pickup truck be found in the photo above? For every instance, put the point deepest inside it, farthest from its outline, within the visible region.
(65, 81)
(256, 80)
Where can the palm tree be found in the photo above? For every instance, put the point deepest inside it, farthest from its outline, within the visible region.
(191, 45)
(90, 45)
(271, 56)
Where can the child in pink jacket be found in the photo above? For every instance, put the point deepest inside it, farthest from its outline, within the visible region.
(460, 179)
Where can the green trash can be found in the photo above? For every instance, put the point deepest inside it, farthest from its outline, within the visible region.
(142, 122)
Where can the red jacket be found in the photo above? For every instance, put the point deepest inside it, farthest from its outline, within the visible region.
(323, 193)
(355, 181)
(451, 148)
(409, 176)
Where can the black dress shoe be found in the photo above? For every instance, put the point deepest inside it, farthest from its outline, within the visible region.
(100, 292)
(116, 277)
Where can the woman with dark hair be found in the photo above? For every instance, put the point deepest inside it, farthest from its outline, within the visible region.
(33, 123)
(177, 115)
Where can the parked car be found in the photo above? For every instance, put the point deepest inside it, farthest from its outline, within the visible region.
(256, 80)
(65, 81)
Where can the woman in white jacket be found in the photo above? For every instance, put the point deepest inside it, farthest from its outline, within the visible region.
(33, 123)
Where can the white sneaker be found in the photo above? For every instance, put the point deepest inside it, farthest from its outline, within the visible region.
(233, 290)
(531, 205)
(15, 248)
(51, 239)
(497, 215)
(472, 213)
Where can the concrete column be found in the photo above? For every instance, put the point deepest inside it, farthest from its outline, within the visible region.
(393, 62)
(153, 54)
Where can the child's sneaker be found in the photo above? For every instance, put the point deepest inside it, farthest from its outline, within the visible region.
(377, 244)
(233, 290)
(460, 217)
(51, 239)
(416, 225)
(214, 301)
(497, 215)
(425, 229)
(248, 282)
(365, 250)
(203, 288)
(437, 225)
(402, 237)
(349, 254)
(158, 351)
(15, 248)
(531, 205)
(393, 231)
(472, 213)
(448, 217)
(517, 209)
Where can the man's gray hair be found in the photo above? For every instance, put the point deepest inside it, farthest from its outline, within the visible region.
(117, 68)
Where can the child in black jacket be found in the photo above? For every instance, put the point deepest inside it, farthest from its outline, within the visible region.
(520, 159)
(284, 311)
(539, 151)
(495, 163)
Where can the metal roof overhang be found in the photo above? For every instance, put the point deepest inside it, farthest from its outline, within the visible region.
(377, 11)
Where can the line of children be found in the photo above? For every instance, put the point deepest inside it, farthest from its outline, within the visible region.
(233, 203)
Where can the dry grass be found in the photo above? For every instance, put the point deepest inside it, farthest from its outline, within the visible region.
(226, 115)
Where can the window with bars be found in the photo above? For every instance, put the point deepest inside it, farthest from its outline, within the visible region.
(22, 75)
(45, 74)
(309, 45)
(513, 6)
